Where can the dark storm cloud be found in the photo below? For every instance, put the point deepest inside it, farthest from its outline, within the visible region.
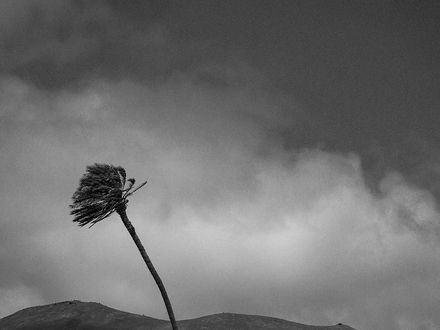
(367, 74)
(290, 147)
(54, 43)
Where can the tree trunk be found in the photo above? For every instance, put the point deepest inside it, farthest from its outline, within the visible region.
(131, 230)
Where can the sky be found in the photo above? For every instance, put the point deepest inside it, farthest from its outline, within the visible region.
(291, 148)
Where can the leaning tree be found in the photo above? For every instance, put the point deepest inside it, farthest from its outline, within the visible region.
(103, 190)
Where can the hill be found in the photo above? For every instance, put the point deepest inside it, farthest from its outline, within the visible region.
(77, 315)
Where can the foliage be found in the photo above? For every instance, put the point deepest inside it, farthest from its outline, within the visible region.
(102, 189)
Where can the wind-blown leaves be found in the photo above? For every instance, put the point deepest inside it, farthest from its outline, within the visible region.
(101, 190)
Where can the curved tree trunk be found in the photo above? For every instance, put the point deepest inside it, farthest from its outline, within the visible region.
(131, 230)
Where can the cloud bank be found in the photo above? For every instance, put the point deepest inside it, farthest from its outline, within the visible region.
(292, 164)
(232, 219)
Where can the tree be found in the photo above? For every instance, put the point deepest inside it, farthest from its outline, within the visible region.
(103, 190)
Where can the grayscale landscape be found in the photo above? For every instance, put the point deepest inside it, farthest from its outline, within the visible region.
(220, 164)
(72, 315)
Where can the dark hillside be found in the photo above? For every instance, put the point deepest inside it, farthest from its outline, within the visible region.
(77, 315)
(72, 315)
(227, 321)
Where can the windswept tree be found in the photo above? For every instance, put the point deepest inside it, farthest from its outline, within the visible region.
(103, 190)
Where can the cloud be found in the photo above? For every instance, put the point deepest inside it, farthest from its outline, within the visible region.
(59, 43)
(416, 208)
(47, 30)
(13, 299)
(254, 204)
(232, 220)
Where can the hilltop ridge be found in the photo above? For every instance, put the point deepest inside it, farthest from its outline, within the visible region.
(75, 314)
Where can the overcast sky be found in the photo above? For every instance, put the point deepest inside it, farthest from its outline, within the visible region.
(292, 150)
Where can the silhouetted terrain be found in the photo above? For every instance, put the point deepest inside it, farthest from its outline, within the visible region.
(75, 314)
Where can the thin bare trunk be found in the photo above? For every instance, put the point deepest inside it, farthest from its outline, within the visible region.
(131, 230)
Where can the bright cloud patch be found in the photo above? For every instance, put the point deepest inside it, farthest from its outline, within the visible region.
(233, 221)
